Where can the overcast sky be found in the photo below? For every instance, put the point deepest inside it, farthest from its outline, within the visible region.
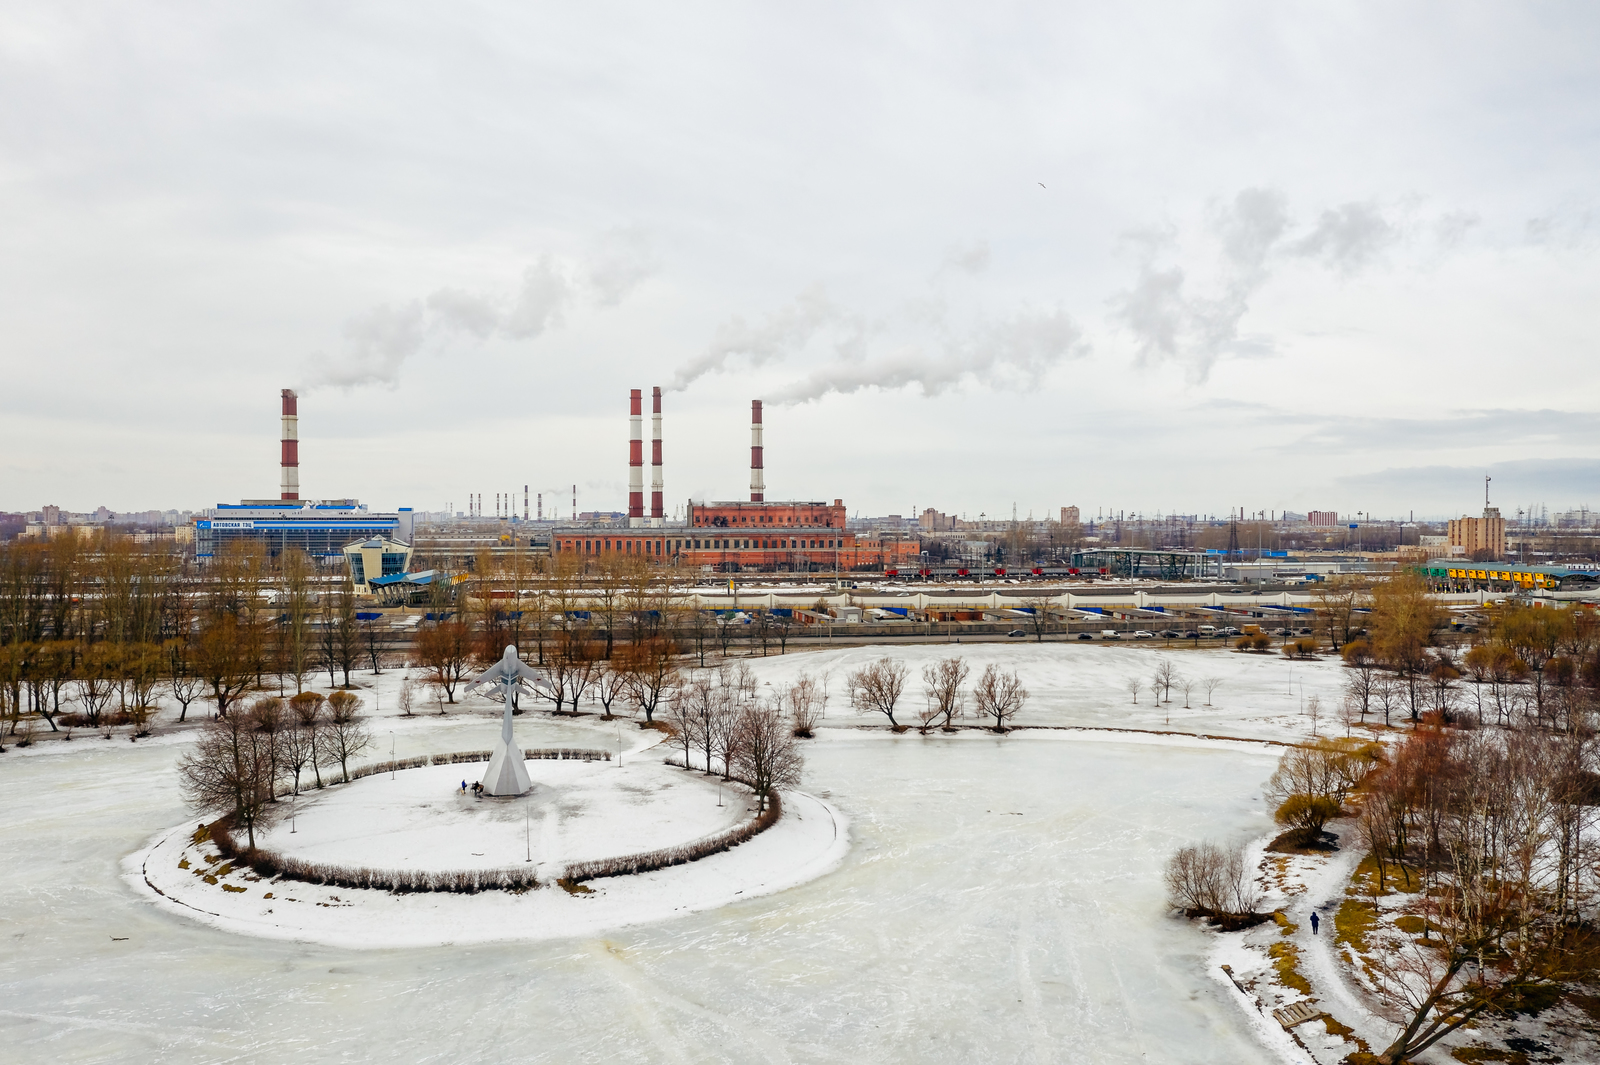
(1124, 256)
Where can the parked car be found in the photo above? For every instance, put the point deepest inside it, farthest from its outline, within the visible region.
(1017, 632)
(1143, 635)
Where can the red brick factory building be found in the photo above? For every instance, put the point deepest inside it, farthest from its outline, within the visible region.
(755, 536)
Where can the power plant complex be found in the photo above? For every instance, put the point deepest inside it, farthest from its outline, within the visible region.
(729, 537)
(762, 536)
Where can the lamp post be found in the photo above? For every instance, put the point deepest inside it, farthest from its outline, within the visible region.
(391, 755)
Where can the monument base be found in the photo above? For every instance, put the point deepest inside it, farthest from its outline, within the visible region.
(507, 773)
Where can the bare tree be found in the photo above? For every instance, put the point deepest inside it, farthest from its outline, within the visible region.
(347, 733)
(1133, 686)
(228, 773)
(270, 719)
(652, 672)
(295, 596)
(1211, 684)
(223, 658)
(1161, 680)
(764, 750)
(686, 709)
(876, 688)
(806, 700)
(307, 710)
(182, 682)
(444, 650)
(998, 696)
(406, 698)
(91, 686)
(1205, 880)
(1314, 711)
(1039, 616)
(341, 632)
(613, 679)
(1186, 685)
(942, 682)
(376, 641)
(297, 746)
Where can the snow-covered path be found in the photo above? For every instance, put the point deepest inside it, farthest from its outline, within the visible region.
(1325, 892)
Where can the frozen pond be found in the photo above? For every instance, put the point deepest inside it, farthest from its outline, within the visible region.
(1001, 902)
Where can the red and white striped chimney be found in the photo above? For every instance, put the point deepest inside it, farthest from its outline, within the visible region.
(635, 458)
(758, 481)
(657, 512)
(289, 465)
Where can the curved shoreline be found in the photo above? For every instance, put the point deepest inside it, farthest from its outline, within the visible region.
(808, 841)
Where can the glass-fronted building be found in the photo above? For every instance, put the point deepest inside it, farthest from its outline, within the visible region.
(320, 528)
(375, 558)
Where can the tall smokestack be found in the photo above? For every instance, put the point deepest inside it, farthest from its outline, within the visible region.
(539, 502)
(635, 458)
(758, 481)
(289, 464)
(656, 485)
(524, 502)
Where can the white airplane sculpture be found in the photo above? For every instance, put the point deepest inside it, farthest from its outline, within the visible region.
(507, 773)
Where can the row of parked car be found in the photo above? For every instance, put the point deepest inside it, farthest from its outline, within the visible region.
(1204, 632)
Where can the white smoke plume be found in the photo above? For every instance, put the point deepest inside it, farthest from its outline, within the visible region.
(782, 333)
(1012, 354)
(379, 341)
(915, 348)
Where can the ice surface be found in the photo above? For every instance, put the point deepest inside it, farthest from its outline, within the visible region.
(1001, 902)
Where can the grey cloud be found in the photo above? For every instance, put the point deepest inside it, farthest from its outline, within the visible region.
(973, 259)
(1168, 322)
(623, 262)
(1014, 353)
(1347, 237)
(1455, 430)
(1566, 229)
(1560, 482)
(1451, 228)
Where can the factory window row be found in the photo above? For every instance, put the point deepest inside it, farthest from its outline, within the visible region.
(656, 547)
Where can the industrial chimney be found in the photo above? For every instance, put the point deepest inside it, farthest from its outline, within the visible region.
(656, 485)
(289, 464)
(635, 458)
(758, 483)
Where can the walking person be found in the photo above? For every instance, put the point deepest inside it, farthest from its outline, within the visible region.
(1314, 922)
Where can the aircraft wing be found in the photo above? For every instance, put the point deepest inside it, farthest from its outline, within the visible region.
(494, 672)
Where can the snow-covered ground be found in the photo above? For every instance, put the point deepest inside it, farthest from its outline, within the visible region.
(422, 819)
(1001, 901)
